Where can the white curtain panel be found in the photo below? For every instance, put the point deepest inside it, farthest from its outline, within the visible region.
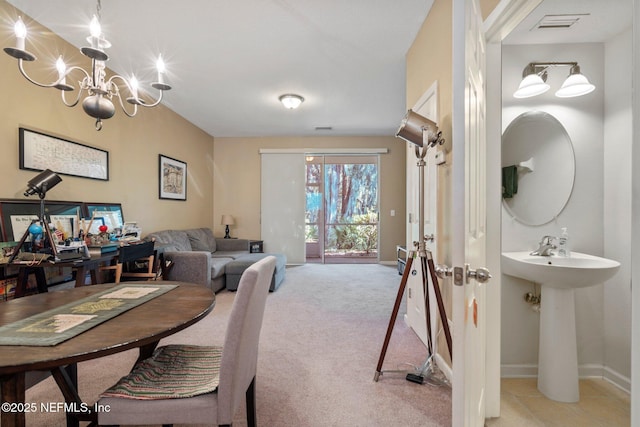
(283, 205)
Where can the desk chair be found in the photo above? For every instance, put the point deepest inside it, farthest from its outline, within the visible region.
(155, 392)
(134, 253)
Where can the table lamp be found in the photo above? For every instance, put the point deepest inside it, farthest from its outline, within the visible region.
(227, 220)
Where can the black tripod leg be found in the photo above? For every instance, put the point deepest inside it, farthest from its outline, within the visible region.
(394, 315)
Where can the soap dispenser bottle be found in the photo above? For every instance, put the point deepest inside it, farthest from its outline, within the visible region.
(563, 243)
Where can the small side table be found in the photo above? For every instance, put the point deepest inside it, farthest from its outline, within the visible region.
(256, 246)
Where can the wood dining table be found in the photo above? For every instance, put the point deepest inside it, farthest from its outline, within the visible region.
(140, 327)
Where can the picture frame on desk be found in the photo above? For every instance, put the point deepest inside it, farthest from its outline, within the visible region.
(172, 179)
(14, 211)
(111, 214)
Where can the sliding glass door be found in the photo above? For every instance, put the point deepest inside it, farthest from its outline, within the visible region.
(341, 221)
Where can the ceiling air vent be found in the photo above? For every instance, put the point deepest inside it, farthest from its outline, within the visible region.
(321, 128)
(558, 21)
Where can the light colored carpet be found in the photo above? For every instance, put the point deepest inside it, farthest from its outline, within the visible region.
(321, 338)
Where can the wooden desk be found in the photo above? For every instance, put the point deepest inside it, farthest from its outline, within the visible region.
(81, 267)
(141, 327)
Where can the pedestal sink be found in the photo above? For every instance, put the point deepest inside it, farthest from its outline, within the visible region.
(559, 276)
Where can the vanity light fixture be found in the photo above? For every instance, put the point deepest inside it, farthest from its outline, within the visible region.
(99, 90)
(575, 85)
(291, 100)
(535, 76)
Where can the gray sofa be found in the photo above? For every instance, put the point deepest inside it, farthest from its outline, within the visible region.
(199, 257)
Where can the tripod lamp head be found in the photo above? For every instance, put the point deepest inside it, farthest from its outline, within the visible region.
(42, 183)
(419, 130)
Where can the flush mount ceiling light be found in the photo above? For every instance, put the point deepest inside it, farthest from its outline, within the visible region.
(535, 77)
(291, 101)
(99, 90)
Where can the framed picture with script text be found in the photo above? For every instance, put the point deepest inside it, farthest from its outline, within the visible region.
(39, 151)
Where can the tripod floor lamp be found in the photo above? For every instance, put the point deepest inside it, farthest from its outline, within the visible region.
(39, 185)
(424, 133)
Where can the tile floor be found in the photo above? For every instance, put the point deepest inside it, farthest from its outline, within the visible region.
(601, 405)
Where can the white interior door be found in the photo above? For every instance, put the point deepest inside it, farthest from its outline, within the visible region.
(427, 106)
(469, 214)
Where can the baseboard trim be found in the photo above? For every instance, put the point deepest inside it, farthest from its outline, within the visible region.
(518, 371)
(584, 371)
(620, 381)
(444, 367)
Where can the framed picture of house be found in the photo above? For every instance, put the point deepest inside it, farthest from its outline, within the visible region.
(172, 178)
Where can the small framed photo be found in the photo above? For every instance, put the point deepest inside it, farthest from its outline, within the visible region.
(173, 179)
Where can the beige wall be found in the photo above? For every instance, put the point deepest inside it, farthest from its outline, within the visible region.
(428, 61)
(133, 143)
(237, 182)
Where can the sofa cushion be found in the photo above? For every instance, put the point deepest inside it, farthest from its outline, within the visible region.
(233, 270)
(218, 265)
(229, 254)
(172, 240)
(202, 239)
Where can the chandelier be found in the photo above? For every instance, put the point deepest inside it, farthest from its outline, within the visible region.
(100, 91)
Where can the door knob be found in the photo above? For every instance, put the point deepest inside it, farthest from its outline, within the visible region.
(481, 275)
(443, 271)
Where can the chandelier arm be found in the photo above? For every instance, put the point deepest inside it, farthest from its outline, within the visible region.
(26, 76)
(75, 67)
(111, 83)
(134, 95)
(114, 90)
(75, 102)
(158, 101)
(124, 109)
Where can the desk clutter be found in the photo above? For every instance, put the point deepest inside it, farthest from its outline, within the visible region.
(49, 248)
(93, 223)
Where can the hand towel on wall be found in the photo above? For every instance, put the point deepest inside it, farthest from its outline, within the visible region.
(509, 181)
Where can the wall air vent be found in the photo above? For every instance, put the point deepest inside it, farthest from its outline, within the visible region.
(558, 21)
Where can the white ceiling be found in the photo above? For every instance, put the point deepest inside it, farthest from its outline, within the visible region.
(229, 61)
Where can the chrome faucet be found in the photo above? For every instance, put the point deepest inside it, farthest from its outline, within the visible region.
(545, 246)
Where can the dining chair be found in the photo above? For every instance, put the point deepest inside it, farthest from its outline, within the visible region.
(134, 254)
(189, 384)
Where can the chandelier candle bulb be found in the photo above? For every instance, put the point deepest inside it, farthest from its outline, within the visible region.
(96, 31)
(62, 69)
(161, 69)
(134, 87)
(21, 33)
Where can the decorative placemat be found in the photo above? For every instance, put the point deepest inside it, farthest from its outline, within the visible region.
(54, 326)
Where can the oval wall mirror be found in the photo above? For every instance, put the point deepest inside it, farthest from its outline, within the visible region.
(538, 168)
